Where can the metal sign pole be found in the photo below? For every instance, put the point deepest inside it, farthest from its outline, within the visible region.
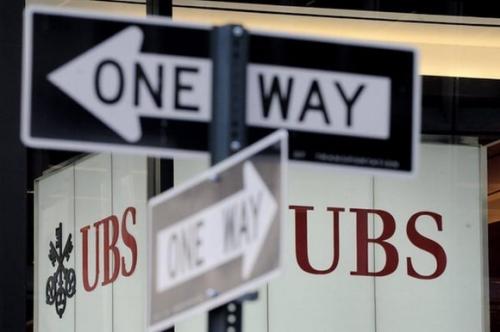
(228, 130)
(166, 166)
(229, 55)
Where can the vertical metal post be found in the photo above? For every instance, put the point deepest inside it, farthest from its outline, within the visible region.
(229, 55)
(165, 167)
(159, 7)
(227, 129)
(226, 318)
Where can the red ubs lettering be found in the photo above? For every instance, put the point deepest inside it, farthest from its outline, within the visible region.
(111, 230)
(363, 241)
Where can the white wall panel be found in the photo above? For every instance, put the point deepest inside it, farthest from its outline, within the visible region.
(337, 301)
(92, 204)
(255, 313)
(448, 184)
(129, 292)
(82, 194)
(53, 205)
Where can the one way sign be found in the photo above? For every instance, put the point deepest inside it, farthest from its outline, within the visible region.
(247, 213)
(146, 86)
(218, 235)
(101, 83)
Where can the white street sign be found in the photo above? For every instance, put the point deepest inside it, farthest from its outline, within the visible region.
(217, 236)
(235, 226)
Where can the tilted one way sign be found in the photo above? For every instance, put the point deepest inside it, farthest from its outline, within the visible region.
(217, 236)
(101, 83)
(248, 212)
(145, 85)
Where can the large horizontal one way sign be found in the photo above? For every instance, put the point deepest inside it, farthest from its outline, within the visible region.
(101, 83)
(217, 236)
(146, 85)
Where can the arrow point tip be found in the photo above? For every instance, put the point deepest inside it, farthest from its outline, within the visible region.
(53, 77)
(135, 32)
(134, 136)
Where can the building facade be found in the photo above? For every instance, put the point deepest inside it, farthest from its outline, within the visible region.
(363, 252)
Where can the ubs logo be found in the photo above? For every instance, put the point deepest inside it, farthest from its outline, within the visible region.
(62, 284)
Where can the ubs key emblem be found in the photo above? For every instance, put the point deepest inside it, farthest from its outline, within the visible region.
(62, 284)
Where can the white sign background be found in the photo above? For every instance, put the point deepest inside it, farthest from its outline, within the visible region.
(371, 110)
(449, 182)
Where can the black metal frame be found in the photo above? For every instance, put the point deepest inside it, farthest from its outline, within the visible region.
(159, 7)
(443, 7)
(13, 170)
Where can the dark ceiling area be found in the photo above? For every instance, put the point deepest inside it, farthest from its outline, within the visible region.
(460, 8)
